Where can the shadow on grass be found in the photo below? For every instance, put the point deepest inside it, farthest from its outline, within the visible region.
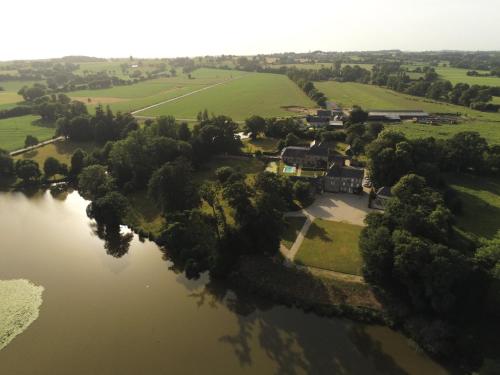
(478, 216)
(316, 232)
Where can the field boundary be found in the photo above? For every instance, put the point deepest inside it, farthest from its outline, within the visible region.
(187, 94)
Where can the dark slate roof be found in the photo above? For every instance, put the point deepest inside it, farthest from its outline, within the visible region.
(346, 172)
(294, 152)
(384, 191)
(319, 150)
(402, 113)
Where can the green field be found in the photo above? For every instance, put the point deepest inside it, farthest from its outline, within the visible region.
(13, 131)
(481, 203)
(9, 96)
(146, 93)
(253, 94)
(372, 97)
(489, 130)
(333, 246)
(62, 151)
(456, 75)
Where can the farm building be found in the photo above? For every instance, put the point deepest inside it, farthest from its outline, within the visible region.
(396, 116)
(315, 156)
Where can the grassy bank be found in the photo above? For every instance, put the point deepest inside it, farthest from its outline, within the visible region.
(322, 294)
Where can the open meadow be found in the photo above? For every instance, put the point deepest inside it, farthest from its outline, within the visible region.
(262, 94)
(13, 131)
(457, 75)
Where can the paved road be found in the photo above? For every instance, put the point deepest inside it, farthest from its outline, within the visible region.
(184, 95)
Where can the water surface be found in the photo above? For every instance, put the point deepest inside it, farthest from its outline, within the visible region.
(111, 309)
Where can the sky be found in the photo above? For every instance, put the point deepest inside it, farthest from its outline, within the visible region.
(146, 28)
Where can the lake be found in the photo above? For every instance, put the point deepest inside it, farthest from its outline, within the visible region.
(117, 307)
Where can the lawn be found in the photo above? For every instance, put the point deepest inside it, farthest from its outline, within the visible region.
(481, 203)
(292, 229)
(333, 246)
(247, 166)
(253, 94)
(13, 131)
(62, 151)
(263, 144)
(489, 130)
(457, 75)
(372, 97)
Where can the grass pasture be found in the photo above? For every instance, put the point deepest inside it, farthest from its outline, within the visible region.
(481, 203)
(62, 151)
(263, 144)
(489, 130)
(146, 93)
(457, 75)
(333, 246)
(252, 94)
(13, 131)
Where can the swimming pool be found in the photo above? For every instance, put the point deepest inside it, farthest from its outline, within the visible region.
(289, 169)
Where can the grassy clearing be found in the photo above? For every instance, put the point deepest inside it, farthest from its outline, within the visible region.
(247, 166)
(333, 246)
(292, 229)
(13, 131)
(457, 75)
(481, 203)
(348, 94)
(144, 213)
(62, 151)
(261, 144)
(253, 94)
(488, 130)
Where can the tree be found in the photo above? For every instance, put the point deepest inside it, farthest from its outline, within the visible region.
(51, 167)
(27, 170)
(172, 188)
(6, 164)
(30, 141)
(109, 210)
(94, 182)
(291, 140)
(358, 116)
(77, 162)
(302, 191)
(255, 125)
(183, 132)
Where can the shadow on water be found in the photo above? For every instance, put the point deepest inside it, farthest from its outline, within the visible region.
(297, 344)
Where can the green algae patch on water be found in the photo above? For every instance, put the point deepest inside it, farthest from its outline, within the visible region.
(20, 301)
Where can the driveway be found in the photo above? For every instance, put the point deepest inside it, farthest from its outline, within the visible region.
(338, 207)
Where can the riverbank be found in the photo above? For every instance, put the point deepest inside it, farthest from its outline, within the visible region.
(323, 294)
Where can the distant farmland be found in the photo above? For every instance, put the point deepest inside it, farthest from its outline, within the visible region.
(252, 94)
(13, 131)
(456, 75)
(373, 97)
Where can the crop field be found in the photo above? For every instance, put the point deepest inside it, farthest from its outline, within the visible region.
(143, 94)
(13, 131)
(261, 94)
(369, 97)
(456, 75)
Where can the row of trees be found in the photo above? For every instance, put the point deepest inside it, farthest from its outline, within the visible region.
(392, 156)
(299, 77)
(435, 277)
